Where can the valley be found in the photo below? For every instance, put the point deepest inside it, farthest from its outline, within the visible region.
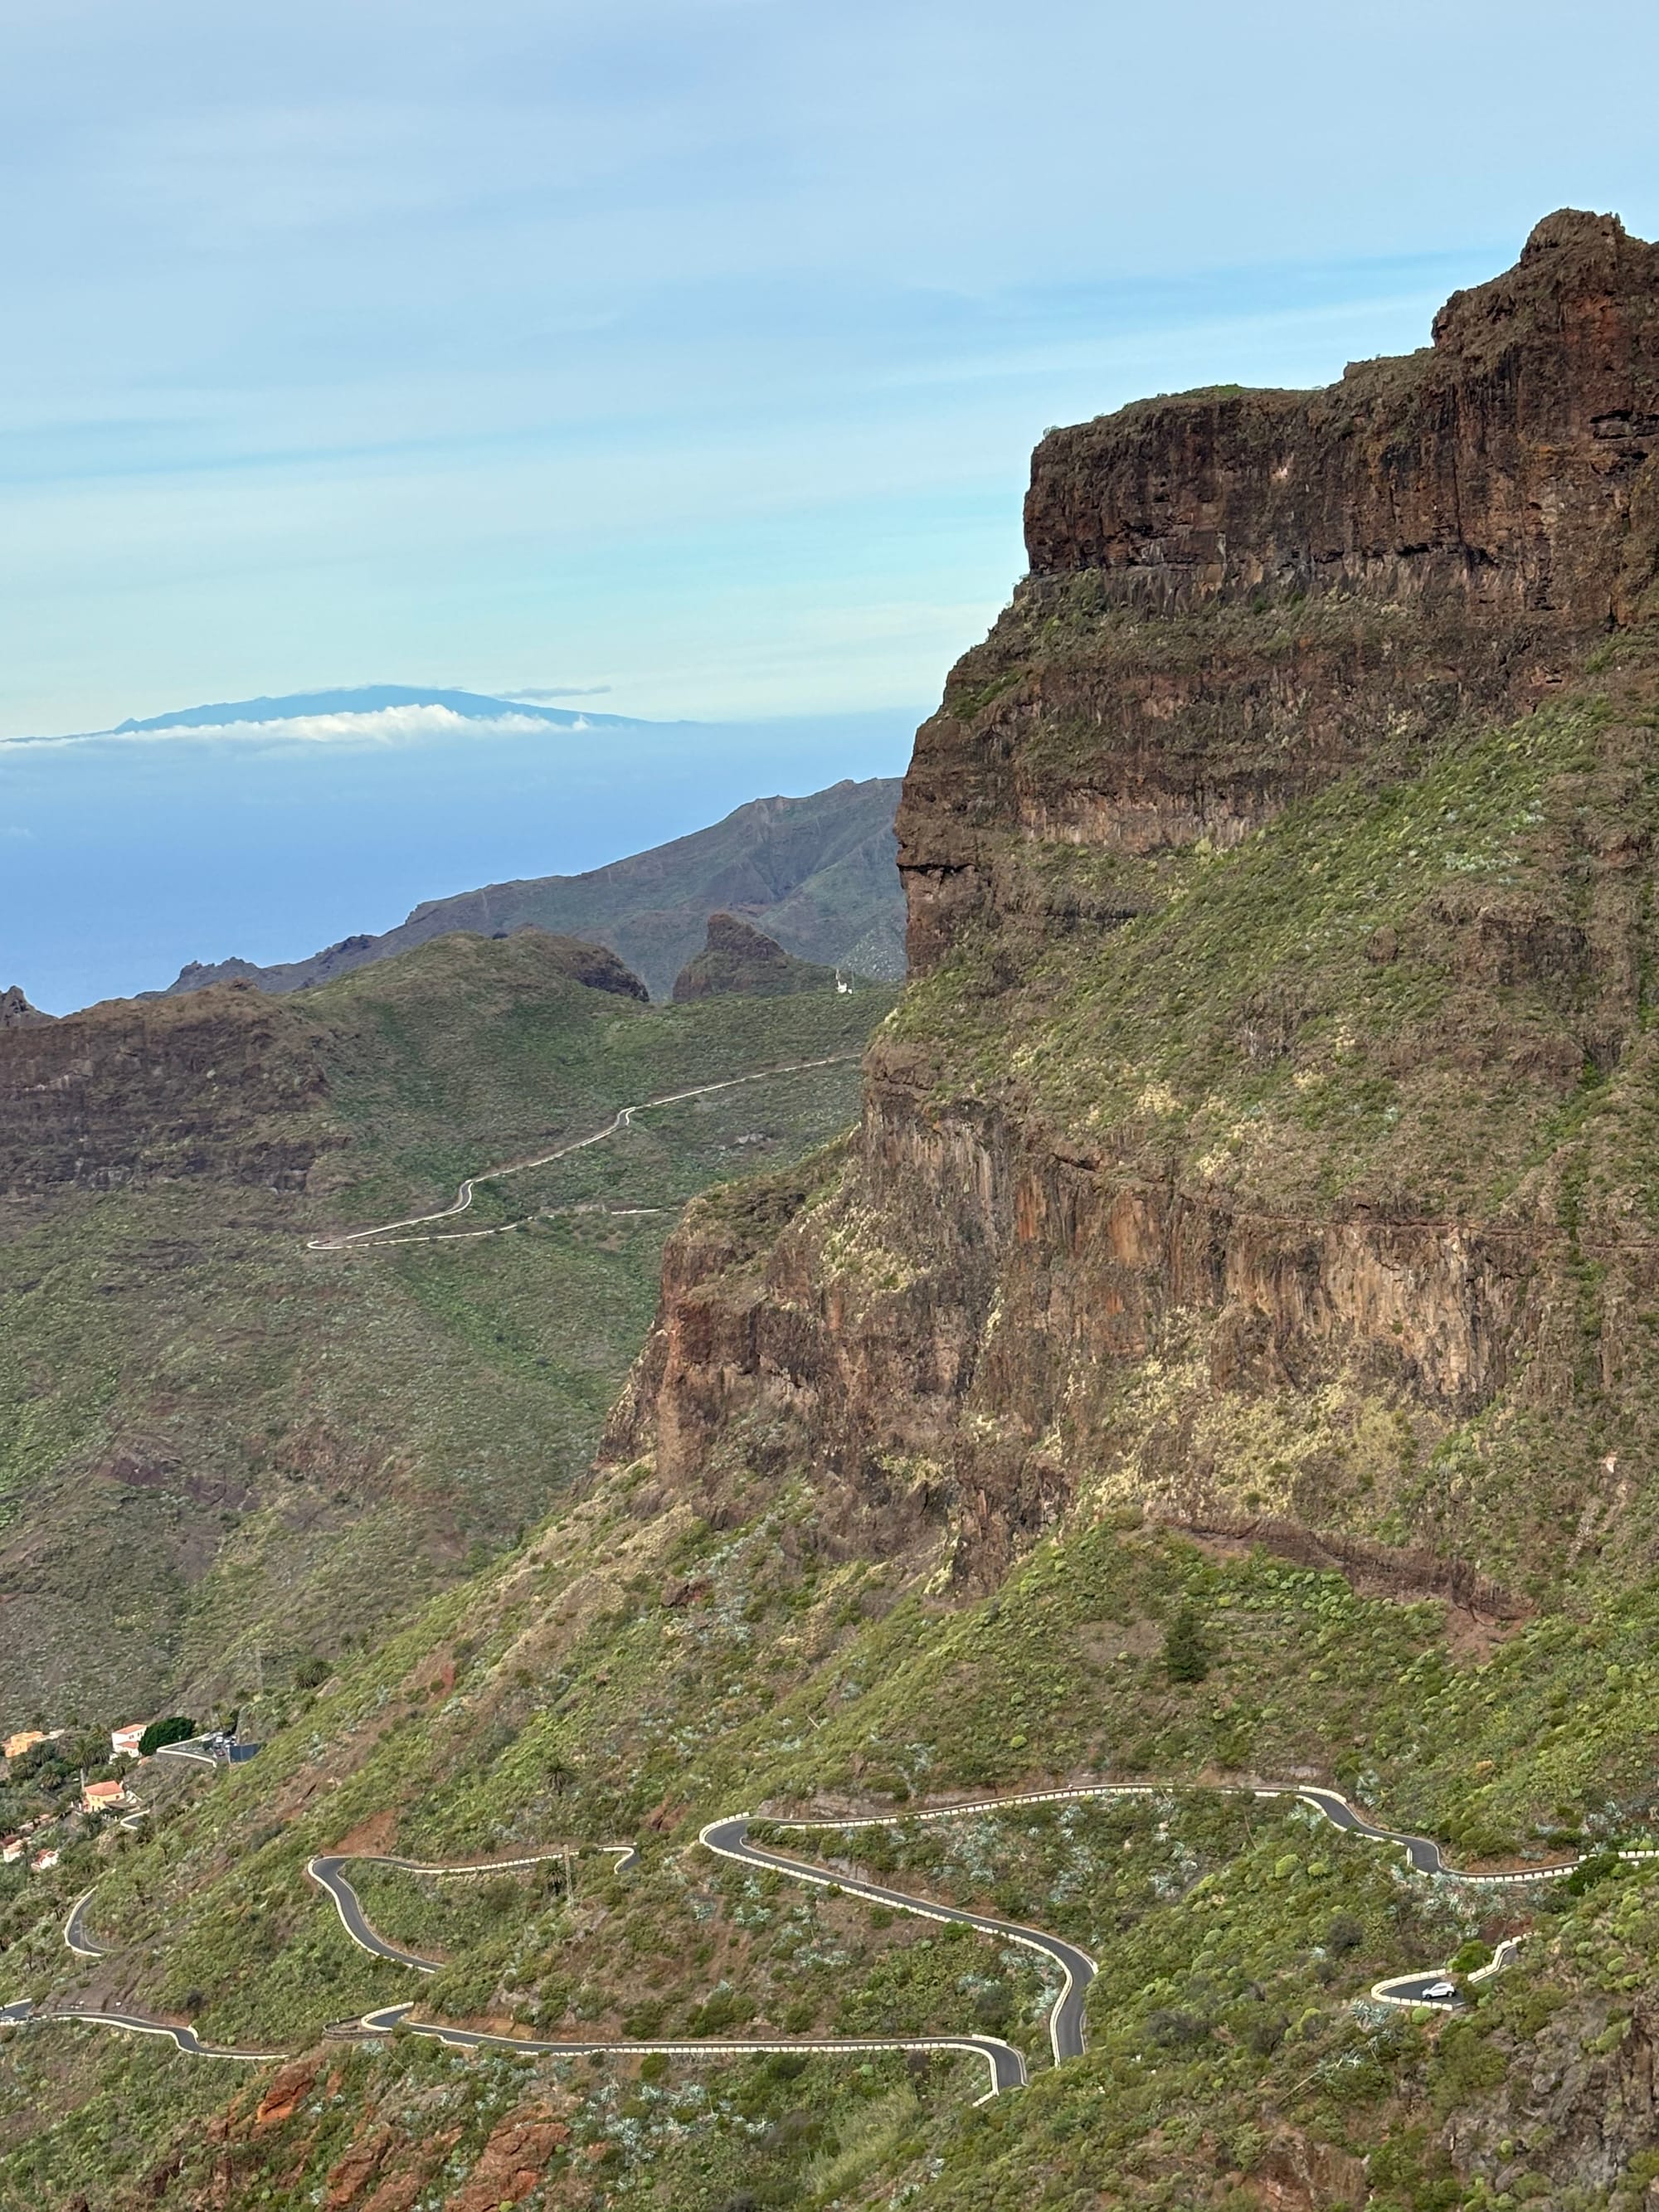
(1118, 1531)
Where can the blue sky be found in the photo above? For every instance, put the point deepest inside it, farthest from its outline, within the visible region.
(695, 349)
(683, 356)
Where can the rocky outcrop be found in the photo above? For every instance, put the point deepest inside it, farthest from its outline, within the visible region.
(16, 1012)
(738, 959)
(595, 965)
(223, 1083)
(1068, 1263)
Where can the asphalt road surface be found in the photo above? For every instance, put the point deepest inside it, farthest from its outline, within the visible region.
(78, 1936)
(327, 1871)
(1004, 2064)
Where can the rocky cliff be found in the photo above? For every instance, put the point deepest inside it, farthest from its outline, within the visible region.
(1264, 1138)
(16, 1012)
(1236, 595)
(224, 1084)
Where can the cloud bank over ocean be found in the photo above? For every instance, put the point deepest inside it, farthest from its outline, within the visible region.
(379, 728)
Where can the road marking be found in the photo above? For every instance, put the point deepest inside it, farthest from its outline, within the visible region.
(325, 1869)
(133, 2023)
(1065, 2019)
(76, 1937)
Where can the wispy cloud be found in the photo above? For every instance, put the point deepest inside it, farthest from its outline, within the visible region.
(556, 691)
(486, 344)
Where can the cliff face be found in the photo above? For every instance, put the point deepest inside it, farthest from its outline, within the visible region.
(16, 1012)
(1233, 596)
(1262, 1135)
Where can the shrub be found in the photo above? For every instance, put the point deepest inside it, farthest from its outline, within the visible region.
(311, 1674)
(1176, 2028)
(1601, 1867)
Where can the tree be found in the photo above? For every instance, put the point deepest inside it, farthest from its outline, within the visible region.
(176, 1729)
(1186, 1654)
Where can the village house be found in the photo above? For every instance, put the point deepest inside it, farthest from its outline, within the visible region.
(11, 1850)
(43, 1862)
(125, 1742)
(25, 1740)
(101, 1797)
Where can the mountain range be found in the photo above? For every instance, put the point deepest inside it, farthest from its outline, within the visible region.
(373, 699)
(1124, 1561)
(817, 873)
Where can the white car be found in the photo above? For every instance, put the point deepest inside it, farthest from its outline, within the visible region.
(1441, 1990)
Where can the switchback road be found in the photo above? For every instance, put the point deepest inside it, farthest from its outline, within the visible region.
(183, 2037)
(1004, 2067)
(384, 1234)
(327, 1872)
(79, 1938)
(729, 1838)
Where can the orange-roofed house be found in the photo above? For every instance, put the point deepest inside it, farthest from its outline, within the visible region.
(101, 1797)
(11, 1850)
(125, 1742)
(25, 1740)
(43, 1862)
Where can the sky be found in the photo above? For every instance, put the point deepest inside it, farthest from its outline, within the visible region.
(681, 355)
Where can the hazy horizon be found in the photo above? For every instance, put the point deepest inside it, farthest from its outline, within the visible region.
(125, 857)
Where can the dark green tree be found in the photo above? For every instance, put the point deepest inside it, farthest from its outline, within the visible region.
(176, 1729)
(1186, 1654)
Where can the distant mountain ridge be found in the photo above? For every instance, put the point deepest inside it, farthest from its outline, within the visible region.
(371, 699)
(819, 874)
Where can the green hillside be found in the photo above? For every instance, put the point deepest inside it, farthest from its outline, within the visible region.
(222, 1453)
(1174, 1481)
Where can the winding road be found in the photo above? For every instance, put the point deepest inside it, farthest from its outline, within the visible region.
(729, 1838)
(327, 1871)
(1004, 2067)
(78, 1936)
(382, 1236)
(180, 2034)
